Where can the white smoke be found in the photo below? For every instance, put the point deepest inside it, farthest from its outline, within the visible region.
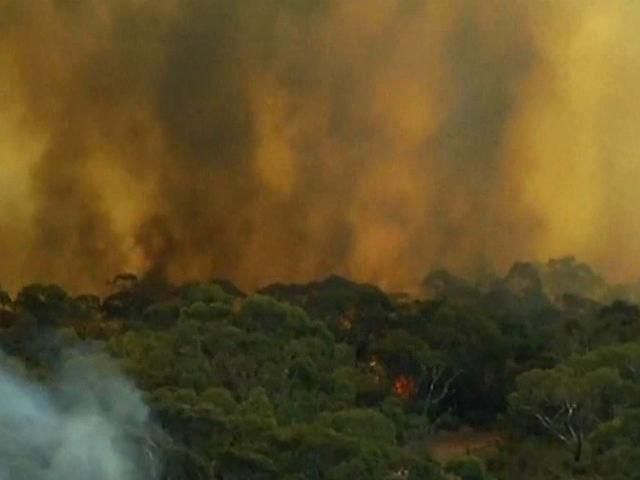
(88, 423)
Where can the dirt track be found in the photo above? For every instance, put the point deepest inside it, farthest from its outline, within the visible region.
(447, 445)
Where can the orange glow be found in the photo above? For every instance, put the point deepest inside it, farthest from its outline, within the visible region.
(264, 142)
(404, 387)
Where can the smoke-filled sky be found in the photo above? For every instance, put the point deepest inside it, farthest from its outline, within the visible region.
(287, 139)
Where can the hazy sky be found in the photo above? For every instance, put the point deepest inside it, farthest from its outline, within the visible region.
(286, 139)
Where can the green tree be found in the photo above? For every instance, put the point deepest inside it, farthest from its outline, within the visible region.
(468, 468)
(568, 403)
(614, 446)
(365, 425)
(49, 304)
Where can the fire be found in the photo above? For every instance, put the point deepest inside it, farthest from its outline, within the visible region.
(404, 387)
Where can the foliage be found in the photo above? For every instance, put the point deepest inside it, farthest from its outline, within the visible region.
(338, 380)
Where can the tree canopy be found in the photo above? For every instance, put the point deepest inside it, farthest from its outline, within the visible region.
(337, 380)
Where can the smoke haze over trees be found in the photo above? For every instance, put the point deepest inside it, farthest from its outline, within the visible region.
(285, 140)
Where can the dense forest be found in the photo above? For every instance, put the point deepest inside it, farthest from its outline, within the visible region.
(340, 380)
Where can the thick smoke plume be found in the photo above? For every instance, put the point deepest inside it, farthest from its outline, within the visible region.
(286, 139)
(85, 426)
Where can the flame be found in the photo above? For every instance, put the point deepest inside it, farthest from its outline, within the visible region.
(404, 387)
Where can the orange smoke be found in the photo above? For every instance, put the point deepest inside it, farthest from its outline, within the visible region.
(265, 140)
